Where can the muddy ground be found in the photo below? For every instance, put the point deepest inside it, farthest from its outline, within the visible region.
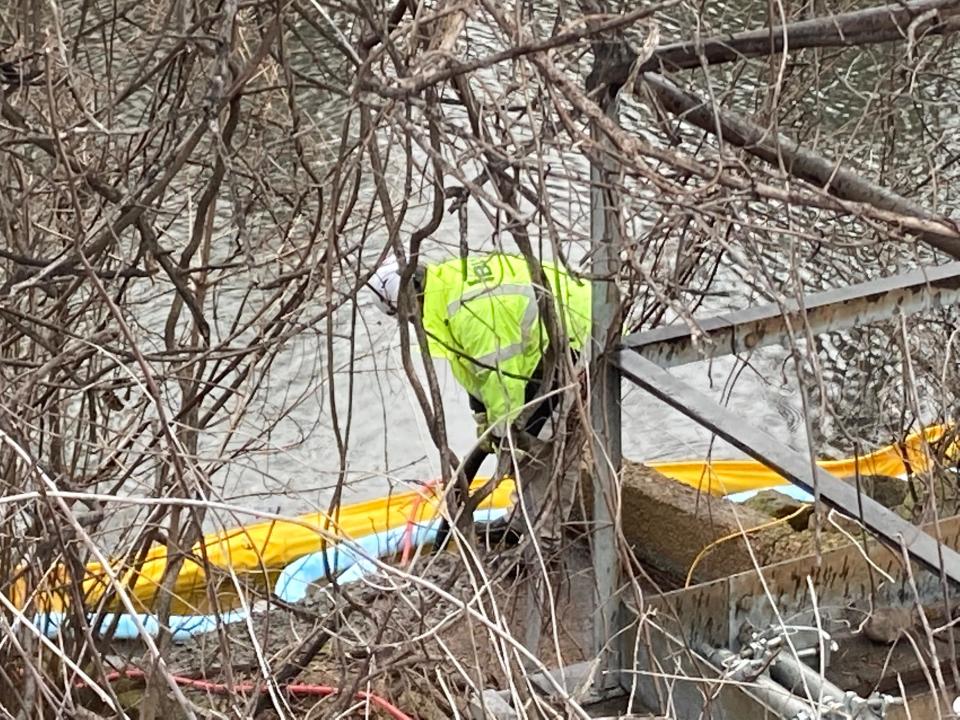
(420, 639)
(424, 650)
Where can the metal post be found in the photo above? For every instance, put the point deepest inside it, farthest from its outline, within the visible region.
(604, 412)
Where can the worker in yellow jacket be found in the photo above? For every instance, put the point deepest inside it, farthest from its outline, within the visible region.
(482, 316)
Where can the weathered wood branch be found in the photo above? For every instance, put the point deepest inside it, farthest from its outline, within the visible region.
(634, 153)
(833, 176)
(889, 23)
(452, 67)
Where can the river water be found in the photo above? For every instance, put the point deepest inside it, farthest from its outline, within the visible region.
(389, 447)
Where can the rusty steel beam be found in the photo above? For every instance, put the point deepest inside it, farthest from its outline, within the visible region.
(792, 465)
(839, 309)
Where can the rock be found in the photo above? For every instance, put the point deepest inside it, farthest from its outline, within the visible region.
(667, 524)
(888, 491)
(777, 505)
(886, 625)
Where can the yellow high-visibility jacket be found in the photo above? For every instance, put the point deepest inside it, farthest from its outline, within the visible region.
(482, 316)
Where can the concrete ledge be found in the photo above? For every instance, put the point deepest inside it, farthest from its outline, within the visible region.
(667, 524)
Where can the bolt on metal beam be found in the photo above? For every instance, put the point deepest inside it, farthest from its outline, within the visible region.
(794, 466)
(839, 309)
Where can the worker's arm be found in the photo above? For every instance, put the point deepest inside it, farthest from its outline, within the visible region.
(497, 335)
(496, 392)
(467, 377)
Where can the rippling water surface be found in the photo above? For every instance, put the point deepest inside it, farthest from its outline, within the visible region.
(388, 443)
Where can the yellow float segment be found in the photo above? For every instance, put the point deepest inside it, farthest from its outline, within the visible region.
(726, 477)
(256, 553)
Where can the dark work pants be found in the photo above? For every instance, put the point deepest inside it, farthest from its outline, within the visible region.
(533, 426)
(544, 409)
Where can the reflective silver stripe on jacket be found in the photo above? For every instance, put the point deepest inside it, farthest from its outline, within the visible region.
(527, 322)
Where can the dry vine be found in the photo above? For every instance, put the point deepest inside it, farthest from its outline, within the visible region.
(194, 195)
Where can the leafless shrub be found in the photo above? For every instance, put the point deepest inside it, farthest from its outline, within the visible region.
(193, 194)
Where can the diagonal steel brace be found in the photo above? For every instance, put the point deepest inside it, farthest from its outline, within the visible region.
(795, 467)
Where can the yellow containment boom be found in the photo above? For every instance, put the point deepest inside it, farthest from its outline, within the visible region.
(726, 477)
(255, 553)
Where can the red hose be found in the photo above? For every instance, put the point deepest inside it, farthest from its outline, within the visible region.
(304, 690)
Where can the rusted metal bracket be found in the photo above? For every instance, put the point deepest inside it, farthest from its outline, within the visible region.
(839, 309)
(794, 466)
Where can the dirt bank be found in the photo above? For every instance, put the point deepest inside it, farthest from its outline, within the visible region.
(431, 637)
(427, 644)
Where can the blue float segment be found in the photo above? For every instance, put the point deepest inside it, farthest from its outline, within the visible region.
(350, 560)
(182, 627)
(788, 490)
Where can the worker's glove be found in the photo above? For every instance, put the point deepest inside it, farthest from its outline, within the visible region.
(486, 441)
